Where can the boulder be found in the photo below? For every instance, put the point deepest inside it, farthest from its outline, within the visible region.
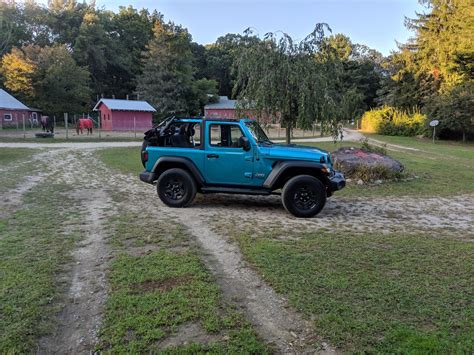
(349, 160)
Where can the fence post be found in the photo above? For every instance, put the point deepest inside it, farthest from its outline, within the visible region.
(66, 125)
(24, 128)
(54, 122)
(99, 123)
(134, 127)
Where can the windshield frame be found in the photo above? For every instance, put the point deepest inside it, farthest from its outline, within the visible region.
(257, 132)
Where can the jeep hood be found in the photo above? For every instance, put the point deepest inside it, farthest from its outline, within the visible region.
(292, 152)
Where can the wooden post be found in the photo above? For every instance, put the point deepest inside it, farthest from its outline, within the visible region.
(66, 125)
(99, 123)
(434, 133)
(54, 122)
(24, 128)
(134, 126)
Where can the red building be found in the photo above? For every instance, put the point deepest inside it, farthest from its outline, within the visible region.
(224, 108)
(12, 111)
(124, 115)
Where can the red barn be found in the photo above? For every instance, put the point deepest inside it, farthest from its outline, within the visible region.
(12, 111)
(224, 108)
(124, 115)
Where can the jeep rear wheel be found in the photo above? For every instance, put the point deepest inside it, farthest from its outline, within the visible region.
(176, 188)
(304, 196)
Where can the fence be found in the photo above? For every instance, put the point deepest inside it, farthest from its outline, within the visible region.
(64, 128)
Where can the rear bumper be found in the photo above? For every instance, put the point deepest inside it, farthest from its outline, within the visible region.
(337, 181)
(147, 177)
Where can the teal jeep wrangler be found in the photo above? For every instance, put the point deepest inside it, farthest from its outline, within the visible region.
(184, 156)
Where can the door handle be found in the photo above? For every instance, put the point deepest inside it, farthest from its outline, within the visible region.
(211, 156)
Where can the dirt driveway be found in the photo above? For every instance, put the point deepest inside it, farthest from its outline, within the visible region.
(209, 219)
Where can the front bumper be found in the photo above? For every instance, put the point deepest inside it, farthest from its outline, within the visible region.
(337, 181)
(147, 177)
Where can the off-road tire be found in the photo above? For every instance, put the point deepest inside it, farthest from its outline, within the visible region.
(304, 196)
(176, 188)
(144, 145)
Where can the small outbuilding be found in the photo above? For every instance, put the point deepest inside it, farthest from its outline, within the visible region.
(223, 108)
(12, 111)
(124, 115)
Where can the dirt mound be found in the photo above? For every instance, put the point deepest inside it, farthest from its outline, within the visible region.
(351, 160)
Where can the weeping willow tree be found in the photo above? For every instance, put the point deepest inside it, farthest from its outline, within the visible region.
(292, 81)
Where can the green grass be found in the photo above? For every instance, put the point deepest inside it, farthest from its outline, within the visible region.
(9, 155)
(443, 169)
(158, 285)
(151, 296)
(126, 160)
(33, 251)
(375, 293)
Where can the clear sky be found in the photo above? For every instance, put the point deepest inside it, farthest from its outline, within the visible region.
(376, 23)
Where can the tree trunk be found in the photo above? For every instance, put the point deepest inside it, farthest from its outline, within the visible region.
(464, 136)
(288, 132)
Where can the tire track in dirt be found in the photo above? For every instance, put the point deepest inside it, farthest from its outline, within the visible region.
(269, 312)
(25, 179)
(81, 315)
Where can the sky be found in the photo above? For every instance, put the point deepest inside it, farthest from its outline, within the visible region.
(376, 23)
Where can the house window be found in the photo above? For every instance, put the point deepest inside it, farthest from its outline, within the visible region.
(7, 116)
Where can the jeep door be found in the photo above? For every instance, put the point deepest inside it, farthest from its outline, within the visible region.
(226, 162)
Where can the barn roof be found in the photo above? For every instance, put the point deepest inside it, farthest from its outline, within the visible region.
(9, 102)
(224, 104)
(125, 105)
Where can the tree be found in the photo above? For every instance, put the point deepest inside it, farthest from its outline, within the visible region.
(18, 72)
(168, 80)
(454, 109)
(61, 85)
(286, 79)
(48, 78)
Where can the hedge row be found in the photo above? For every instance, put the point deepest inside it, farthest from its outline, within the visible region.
(393, 122)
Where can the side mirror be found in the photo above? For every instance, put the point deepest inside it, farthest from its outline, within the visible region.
(244, 143)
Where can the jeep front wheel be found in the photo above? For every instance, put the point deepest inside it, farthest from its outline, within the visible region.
(304, 196)
(176, 188)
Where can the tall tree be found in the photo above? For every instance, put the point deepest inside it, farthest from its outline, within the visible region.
(47, 78)
(18, 72)
(283, 78)
(168, 80)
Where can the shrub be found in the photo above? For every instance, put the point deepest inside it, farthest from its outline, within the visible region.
(393, 122)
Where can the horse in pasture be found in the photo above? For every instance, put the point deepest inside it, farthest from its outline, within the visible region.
(47, 124)
(84, 123)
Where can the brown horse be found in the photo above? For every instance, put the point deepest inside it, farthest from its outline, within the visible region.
(84, 123)
(47, 124)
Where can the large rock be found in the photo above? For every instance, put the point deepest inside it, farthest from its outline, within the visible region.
(349, 159)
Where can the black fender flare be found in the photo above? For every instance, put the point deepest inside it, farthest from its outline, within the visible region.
(170, 161)
(280, 167)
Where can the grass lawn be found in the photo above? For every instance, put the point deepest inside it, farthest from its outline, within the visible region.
(126, 160)
(33, 250)
(159, 286)
(9, 155)
(442, 169)
(375, 293)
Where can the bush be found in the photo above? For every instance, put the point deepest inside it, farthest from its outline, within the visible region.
(393, 122)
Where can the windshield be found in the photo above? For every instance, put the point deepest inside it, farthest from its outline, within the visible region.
(257, 132)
